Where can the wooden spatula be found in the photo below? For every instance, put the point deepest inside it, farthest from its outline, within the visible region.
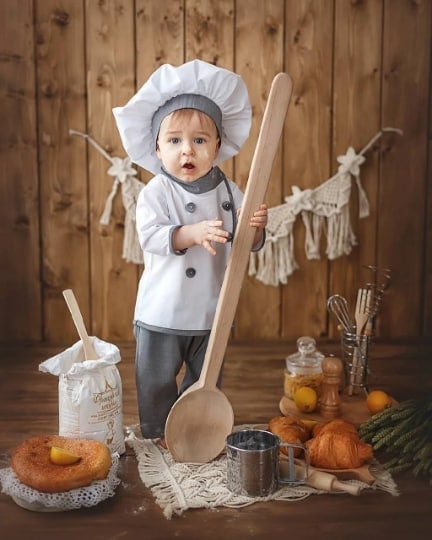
(202, 418)
(89, 352)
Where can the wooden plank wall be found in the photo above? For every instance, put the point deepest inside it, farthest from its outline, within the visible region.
(356, 66)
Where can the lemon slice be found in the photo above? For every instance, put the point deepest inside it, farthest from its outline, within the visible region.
(60, 456)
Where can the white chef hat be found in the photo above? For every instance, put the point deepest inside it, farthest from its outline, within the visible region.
(216, 91)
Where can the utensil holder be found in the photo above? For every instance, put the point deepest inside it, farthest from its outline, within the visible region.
(355, 355)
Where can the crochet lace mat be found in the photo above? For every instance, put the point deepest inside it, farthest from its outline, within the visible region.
(180, 486)
(35, 500)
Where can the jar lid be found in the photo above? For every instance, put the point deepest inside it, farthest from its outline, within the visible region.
(307, 358)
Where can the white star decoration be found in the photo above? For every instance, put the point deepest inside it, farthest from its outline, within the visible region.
(121, 168)
(300, 199)
(350, 162)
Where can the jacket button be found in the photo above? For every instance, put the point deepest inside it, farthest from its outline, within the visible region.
(190, 207)
(226, 205)
(190, 272)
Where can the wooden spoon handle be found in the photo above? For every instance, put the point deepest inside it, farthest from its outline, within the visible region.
(89, 352)
(265, 151)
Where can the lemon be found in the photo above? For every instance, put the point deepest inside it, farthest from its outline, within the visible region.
(377, 401)
(305, 399)
(60, 456)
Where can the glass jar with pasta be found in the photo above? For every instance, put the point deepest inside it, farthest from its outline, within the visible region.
(303, 368)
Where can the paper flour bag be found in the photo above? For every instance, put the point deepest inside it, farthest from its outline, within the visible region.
(90, 394)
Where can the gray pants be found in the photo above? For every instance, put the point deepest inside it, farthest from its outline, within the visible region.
(158, 360)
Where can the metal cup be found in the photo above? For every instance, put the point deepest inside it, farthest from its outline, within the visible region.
(253, 463)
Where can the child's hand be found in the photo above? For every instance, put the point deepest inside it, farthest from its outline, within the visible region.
(259, 221)
(207, 232)
(200, 234)
(260, 217)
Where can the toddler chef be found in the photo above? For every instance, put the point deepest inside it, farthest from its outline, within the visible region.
(179, 126)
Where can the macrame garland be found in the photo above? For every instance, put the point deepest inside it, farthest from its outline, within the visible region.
(325, 208)
(124, 175)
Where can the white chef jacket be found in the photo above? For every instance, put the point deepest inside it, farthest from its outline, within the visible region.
(178, 291)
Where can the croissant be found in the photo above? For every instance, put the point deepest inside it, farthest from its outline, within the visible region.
(338, 450)
(289, 429)
(338, 424)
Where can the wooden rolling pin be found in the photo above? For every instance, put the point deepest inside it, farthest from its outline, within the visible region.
(326, 481)
(320, 480)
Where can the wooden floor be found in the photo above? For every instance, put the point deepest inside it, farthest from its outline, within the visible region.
(253, 381)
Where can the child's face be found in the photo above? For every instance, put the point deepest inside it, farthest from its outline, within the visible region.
(187, 144)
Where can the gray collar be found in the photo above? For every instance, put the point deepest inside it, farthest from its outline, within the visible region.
(202, 185)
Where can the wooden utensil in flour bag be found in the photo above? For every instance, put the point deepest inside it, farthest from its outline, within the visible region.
(90, 387)
(202, 418)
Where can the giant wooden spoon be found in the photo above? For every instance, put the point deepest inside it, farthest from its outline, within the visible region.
(200, 420)
(89, 352)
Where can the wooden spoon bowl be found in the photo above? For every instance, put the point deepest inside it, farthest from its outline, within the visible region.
(204, 434)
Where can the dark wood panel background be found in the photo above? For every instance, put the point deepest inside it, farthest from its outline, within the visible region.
(356, 66)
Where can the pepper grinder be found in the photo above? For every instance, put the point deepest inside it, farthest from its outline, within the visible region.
(330, 402)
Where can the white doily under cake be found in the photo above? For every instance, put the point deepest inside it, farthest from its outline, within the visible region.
(38, 501)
